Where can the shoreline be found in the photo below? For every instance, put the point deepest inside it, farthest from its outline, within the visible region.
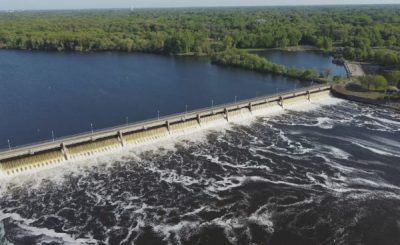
(341, 92)
(300, 48)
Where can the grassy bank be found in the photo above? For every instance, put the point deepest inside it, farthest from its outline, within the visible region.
(371, 95)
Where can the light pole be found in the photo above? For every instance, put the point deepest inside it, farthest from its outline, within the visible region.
(127, 120)
(212, 103)
(158, 115)
(52, 135)
(91, 127)
(9, 145)
(235, 98)
(186, 109)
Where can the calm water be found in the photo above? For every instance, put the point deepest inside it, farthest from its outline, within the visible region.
(305, 60)
(327, 176)
(41, 92)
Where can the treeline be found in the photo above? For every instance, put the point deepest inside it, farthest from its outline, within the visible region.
(157, 42)
(359, 33)
(388, 81)
(373, 83)
(380, 56)
(241, 59)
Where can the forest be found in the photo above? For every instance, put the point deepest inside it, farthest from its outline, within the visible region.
(363, 33)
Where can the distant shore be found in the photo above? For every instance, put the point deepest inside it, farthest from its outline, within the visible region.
(299, 48)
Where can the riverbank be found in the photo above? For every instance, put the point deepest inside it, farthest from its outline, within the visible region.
(371, 97)
(300, 48)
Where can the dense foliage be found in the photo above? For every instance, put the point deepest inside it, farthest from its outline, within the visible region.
(242, 59)
(394, 78)
(376, 82)
(361, 33)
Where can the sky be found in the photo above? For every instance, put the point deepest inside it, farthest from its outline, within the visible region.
(84, 4)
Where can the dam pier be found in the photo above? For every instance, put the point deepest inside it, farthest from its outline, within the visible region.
(40, 155)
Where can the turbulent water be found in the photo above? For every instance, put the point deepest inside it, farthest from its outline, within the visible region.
(325, 176)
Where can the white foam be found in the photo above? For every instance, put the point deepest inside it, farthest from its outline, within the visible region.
(194, 212)
(375, 148)
(50, 234)
(315, 103)
(334, 151)
(183, 230)
(58, 170)
(324, 122)
(263, 217)
(225, 184)
(373, 183)
(384, 120)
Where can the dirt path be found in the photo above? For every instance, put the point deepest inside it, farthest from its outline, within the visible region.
(354, 69)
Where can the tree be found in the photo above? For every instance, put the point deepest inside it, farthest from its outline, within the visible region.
(349, 53)
(266, 40)
(327, 43)
(376, 82)
(281, 40)
(294, 37)
(394, 78)
(181, 42)
(324, 43)
(367, 34)
(227, 42)
(390, 59)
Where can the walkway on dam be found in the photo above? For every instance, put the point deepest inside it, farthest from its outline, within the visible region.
(86, 144)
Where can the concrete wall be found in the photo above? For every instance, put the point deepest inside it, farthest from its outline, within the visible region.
(82, 146)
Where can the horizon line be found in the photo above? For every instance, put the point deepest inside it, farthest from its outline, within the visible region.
(200, 6)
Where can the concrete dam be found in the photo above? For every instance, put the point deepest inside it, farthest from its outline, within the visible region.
(65, 150)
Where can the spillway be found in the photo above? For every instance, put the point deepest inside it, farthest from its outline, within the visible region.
(42, 155)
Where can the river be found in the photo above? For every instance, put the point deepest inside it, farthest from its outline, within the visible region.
(330, 175)
(64, 93)
(315, 60)
(325, 173)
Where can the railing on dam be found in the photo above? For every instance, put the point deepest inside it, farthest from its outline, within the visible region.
(116, 134)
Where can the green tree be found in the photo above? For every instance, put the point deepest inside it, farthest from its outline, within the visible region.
(294, 37)
(366, 34)
(390, 58)
(228, 42)
(376, 82)
(394, 78)
(181, 42)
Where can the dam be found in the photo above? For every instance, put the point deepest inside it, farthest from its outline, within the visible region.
(46, 154)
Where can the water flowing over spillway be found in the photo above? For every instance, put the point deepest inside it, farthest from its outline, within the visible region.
(329, 175)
